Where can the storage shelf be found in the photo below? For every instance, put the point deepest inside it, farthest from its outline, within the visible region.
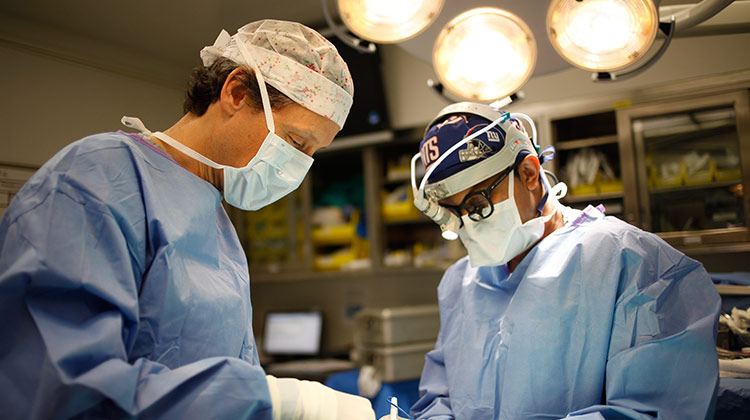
(399, 179)
(589, 142)
(358, 141)
(732, 289)
(693, 187)
(710, 249)
(593, 197)
(687, 134)
(402, 177)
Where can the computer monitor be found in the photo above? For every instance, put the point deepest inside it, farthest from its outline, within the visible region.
(292, 333)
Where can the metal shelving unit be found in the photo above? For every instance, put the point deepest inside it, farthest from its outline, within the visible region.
(594, 197)
(588, 142)
(694, 187)
(661, 134)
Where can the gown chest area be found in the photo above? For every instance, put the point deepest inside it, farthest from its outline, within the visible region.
(526, 345)
(194, 295)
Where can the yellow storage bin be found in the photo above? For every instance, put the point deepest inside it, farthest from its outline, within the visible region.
(704, 176)
(728, 174)
(399, 210)
(613, 186)
(398, 205)
(673, 180)
(584, 189)
(338, 259)
(335, 260)
(336, 234)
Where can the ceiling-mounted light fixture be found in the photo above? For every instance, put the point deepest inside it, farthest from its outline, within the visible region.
(388, 21)
(602, 35)
(484, 54)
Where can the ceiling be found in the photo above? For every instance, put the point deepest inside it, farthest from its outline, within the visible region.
(174, 31)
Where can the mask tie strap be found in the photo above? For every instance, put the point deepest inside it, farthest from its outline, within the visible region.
(545, 156)
(135, 123)
(261, 83)
(559, 190)
(186, 150)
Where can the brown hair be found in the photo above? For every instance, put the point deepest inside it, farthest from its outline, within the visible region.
(204, 87)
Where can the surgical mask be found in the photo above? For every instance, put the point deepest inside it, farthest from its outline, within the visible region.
(276, 170)
(501, 236)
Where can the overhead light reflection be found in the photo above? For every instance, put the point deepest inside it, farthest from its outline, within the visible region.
(484, 54)
(388, 21)
(602, 35)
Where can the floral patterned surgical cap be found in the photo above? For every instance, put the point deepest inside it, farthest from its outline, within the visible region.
(294, 59)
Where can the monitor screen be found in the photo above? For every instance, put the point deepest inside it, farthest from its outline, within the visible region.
(292, 333)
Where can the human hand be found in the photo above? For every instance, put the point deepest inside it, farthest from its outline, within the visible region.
(293, 399)
(353, 407)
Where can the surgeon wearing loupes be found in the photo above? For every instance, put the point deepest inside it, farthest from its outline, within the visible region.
(124, 289)
(555, 312)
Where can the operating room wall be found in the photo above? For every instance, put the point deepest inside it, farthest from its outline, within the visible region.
(57, 88)
(48, 104)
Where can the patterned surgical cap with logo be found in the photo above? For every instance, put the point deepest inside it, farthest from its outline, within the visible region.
(454, 128)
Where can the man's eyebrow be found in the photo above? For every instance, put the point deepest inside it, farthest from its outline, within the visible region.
(307, 134)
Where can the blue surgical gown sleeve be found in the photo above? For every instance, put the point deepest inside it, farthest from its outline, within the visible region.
(662, 357)
(69, 290)
(434, 397)
(434, 394)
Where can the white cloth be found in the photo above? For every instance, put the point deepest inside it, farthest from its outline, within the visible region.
(737, 368)
(369, 382)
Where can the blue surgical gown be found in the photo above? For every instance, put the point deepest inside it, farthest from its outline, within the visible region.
(124, 292)
(599, 320)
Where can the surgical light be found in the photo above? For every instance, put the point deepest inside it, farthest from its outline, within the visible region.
(388, 21)
(602, 35)
(484, 54)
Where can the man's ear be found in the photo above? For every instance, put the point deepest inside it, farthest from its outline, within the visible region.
(528, 172)
(233, 92)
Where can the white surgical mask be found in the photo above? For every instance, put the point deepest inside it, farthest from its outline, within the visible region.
(501, 236)
(276, 170)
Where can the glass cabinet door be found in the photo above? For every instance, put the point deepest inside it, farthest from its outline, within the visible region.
(691, 164)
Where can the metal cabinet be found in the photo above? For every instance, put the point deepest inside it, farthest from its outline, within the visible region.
(678, 167)
(690, 169)
(589, 159)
